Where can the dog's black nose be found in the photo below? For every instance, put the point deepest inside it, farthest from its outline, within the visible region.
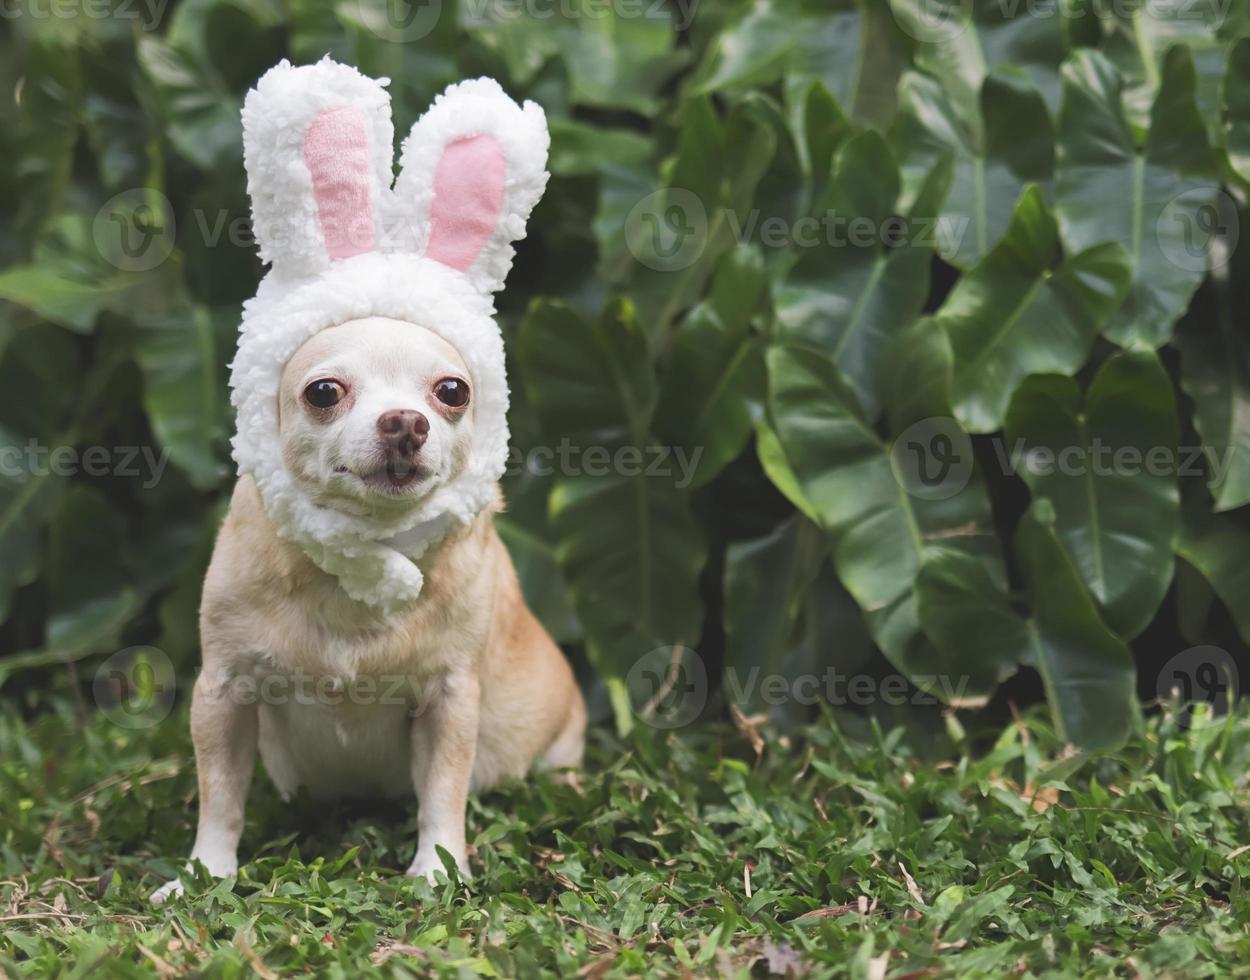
(403, 431)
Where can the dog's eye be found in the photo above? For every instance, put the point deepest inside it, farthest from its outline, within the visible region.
(452, 392)
(325, 393)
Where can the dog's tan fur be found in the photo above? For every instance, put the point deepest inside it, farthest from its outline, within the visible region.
(460, 689)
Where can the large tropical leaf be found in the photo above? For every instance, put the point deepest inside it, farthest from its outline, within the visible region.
(40, 374)
(40, 135)
(90, 585)
(1236, 108)
(776, 465)
(766, 582)
(1108, 464)
(200, 69)
(587, 380)
(631, 554)
(882, 523)
(677, 233)
(968, 616)
(1006, 143)
(625, 537)
(1015, 314)
(614, 57)
(852, 293)
(854, 48)
(1217, 548)
(184, 391)
(1087, 670)
(1150, 198)
(79, 268)
(525, 529)
(714, 380)
(1136, 38)
(975, 37)
(1215, 373)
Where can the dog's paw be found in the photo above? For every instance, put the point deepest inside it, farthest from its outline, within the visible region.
(171, 889)
(217, 865)
(428, 866)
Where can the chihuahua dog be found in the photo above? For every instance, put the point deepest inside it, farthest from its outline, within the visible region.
(362, 624)
(457, 691)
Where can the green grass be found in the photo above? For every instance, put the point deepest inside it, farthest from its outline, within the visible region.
(866, 858)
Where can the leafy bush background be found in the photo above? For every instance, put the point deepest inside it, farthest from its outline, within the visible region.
(1084, 147)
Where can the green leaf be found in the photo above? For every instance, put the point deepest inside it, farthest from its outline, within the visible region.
(587, 380)
(631, 554)
(1088, 672)
(579, 149)
(184, 391)
(776, 465)
(854, 49)
(1217, 548)
(1236, 108)
(1137, 38)
(714, 380)
(614, 57)
(883, 527)
(979, 37)
(678, 233)
(1149, 200)
(213, 51)
(1108, 465)
(202, 116)
(1215, 373)
(1007, 142)
(819, 130)
(833, 632)
(766, 582)
(525, 529)
(1194, 600)
(968, 617)
(41, 134)
(56, 297)
(124, 140)
(1013, 315)
(88, 582)
(848, 297)
(839, 463)
(39, 373)
(78, 272)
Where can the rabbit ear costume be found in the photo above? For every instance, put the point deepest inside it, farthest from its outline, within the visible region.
(344, 244)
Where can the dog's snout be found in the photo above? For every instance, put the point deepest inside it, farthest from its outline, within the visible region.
(403, 430)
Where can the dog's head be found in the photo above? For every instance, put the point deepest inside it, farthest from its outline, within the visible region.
(375, 415)
(370, 380)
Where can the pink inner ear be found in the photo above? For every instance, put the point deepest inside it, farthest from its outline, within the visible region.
(468, 198)
(336, 152)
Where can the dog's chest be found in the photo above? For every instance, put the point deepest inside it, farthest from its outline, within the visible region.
(336, 730)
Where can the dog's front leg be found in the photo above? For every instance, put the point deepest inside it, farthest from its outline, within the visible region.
(444, 743)
(223, 729)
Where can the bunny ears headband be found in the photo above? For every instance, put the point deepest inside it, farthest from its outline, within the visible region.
(345, 244)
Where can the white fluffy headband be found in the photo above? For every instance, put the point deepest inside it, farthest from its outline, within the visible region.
(344, 244)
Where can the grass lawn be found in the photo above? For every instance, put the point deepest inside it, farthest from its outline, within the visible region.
(708, 853)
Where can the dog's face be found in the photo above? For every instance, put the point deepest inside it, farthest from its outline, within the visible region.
(375, 415)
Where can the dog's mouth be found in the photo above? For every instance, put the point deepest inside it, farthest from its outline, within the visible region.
(392, 476)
